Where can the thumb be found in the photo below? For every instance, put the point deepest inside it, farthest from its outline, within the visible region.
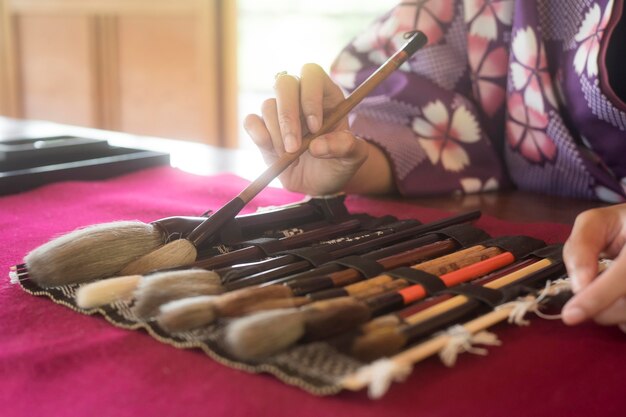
(342, 145)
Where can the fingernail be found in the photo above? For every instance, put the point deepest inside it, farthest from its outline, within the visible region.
(291, 144)
(573, 315)
(313, 123)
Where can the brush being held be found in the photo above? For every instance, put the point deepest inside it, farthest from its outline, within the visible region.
(184, 251)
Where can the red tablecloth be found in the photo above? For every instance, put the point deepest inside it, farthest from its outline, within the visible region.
(54, 361)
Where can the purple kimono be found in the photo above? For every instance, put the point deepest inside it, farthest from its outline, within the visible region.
(507, 91)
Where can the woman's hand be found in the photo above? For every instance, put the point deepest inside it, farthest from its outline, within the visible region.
(597, 233)
(337, 161)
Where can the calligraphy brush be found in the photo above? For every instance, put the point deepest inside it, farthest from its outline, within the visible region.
(102, 250)
(388, 340)
(322, 319)
(153, 292)
(555, 292)
(184, 251)
(164, 286)
(397, 318)
(191, 313)
(439, 341)
(245, 300)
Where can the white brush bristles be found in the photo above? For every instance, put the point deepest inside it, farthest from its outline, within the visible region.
(106, 291)
(91, 253)
(186, 314)
(177, 253)
(262, 334)
(160, 288)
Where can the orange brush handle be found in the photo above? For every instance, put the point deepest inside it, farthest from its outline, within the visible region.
(468, 273)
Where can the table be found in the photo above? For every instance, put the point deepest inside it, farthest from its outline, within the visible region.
(54, 361)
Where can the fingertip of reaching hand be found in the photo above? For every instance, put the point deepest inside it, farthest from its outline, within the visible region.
(573, 315)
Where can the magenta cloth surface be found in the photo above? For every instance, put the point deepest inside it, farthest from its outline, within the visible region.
(56, 362)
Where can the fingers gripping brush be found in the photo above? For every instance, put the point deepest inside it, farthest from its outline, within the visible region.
(184, 251)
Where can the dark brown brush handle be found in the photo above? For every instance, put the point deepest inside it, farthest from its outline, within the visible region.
(176, 227)
(209, 228)
(350, 275)
(251, 253)
(418, 233)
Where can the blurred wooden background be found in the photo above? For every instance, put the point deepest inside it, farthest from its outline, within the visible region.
(150, 67)
(181, 69)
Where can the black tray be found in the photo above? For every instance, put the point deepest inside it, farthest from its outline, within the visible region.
(26, 163)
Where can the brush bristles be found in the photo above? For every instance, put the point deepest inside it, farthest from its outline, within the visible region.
(382, 342)
(161, 288)
(106, 291)
(332, 317)
(91, 253)
(263, 334)
(239, 302)
(186, 314)
(177, 253)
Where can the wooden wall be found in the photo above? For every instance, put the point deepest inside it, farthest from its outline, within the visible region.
(150, 67)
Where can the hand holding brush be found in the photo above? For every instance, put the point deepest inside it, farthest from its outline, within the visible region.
(184, 251)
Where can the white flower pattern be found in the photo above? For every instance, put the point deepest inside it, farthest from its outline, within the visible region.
(442, 136)
(588, 36)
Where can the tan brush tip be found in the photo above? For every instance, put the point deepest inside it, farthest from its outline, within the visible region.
(186, 314)
(263, 334)
(158, 289)
(177, 253)
(106, 291)
(91, 253)
(382, 342)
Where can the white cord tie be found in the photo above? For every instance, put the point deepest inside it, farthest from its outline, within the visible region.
(380, 374)
(463, 341)
(532, 304)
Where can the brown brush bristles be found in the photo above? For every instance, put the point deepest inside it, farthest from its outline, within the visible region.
(277, 303)
(107, 291)
(177, 253)
(186, 314)
(332, 317)
(263, 334)
(157, 289)
(385, 341)
(237, 303)
(91, 253)
(388, 320)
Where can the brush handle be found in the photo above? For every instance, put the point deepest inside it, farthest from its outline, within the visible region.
(208, 228)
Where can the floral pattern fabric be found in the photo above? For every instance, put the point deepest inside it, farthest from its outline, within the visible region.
(507, 92)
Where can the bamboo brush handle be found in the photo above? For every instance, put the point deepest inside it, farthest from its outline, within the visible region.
(459, 300)
(208, 228)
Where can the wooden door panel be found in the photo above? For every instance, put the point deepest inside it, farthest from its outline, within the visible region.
(162, 81)
(55, 64)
